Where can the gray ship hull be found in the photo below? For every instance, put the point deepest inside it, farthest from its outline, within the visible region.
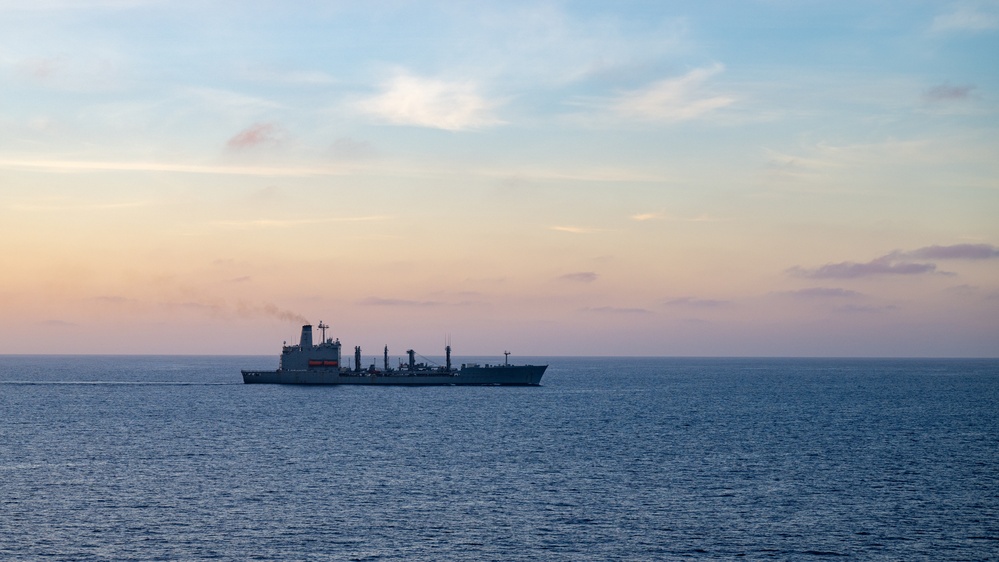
(518, 375)
(307, 363)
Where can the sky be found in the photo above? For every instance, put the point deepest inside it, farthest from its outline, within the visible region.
(757, 178)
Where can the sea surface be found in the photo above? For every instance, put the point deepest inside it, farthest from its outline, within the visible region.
(172, 458)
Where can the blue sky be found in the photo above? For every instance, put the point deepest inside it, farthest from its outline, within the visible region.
(667, 178)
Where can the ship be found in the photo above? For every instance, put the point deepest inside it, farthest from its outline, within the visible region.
(308, 363)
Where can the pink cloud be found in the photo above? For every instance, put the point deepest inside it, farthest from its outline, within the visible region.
(258, 134)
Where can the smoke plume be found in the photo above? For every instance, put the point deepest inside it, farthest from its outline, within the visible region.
(248, 310)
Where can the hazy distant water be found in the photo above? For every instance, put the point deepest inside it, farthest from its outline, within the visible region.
(627, 459)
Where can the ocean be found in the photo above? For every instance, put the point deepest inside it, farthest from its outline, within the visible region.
(173, 458)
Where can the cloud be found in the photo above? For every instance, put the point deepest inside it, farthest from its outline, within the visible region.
(673, 99)
(963, 290)
(821, 292)
(642, 217)
(865, 309)
(580, 277)
(965, 18)
(574, 229)
(895, 262)
(647, 216)
(946, 93)
(258, 134)
(425, 102)
(954, 252)
(696, 303)
(378, 301)
(616, 310)
(885, 265)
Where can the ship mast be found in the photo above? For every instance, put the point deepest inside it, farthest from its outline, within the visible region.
(323, 328)
(447, 352)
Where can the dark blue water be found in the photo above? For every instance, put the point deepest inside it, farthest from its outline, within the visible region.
(171, 458)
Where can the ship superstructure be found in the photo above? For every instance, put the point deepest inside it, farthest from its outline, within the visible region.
(308, 363)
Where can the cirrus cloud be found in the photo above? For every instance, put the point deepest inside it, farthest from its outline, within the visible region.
(669, 100)
(672, 99)
(676, 99)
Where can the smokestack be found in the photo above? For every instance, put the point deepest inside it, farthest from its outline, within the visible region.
(447, 350)
(412, 360)
(357, 358)
(306, 342)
